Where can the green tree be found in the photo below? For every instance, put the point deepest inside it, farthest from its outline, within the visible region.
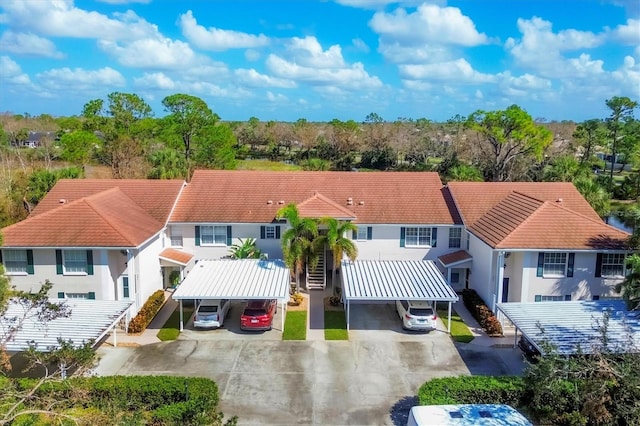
(338, 241)
(595, 194)
(617, 124)
(566, 168)
(41, 181)
(166, 164)
(630, 287)
(189, 116)
(588, 136)
(246, 249)
(504, 138)
(297, 240)
(215, 148)
(462, 172)
(78, 146)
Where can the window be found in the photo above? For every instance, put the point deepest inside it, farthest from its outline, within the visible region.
(75, 261)
(612, 265)
(270, 232)
(549, 298)
(455, 278)
(176, 238)
(18, 261)
(362, 233)
(213, 235)
(416, 237)
(555, 265)
(455, 237)
(76, 295)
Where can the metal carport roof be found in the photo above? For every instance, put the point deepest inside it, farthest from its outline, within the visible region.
(235, 279)
(88, 320)
(569, 325)
(380, 280)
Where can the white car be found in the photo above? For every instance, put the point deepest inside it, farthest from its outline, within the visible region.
(416, 315)
(211, 313)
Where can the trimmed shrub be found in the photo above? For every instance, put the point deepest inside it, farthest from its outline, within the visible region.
(481, 312)
(472, 390)
(147, 312)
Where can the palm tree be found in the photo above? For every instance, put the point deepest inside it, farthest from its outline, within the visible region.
(595, 194)
(338, 242)
(297, 241)
(245, 250)
(630, 287)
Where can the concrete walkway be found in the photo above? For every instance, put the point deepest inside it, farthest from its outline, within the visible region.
(315, 315)
(480, 337)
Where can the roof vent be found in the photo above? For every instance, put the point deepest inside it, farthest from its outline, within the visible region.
(269, 201)
(62, 201)
(281, 202)
(559, 200)
(349, 201)
(361, 203)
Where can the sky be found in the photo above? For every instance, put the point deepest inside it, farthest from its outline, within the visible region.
(323, 60)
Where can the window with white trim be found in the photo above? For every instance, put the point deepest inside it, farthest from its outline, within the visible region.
(555, 264)
(612, 265)
(270, 232)
(552, 298)
(74, 261)
(213, 235)
(362, 233)
(176, 238)
(455, 237)
(455, 278)
(417, 237)
(15, 261)
(76, 295)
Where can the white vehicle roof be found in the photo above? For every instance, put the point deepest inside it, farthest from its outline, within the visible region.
(467, 415)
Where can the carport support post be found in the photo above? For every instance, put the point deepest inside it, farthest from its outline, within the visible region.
(181, 317)
(284, 313)
(115, 343)
(348, 314)
(449, 318)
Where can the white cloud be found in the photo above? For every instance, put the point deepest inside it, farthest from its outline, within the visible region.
(156, 80)
(80, 79)
(252, 55)
(60, 18)
(276, 97)
(124, 1)
(11, 72)
(28, 44)
(217, 39)
(428, 24)
(627, 34)
(459, 70)
(151, 53)
(251, 77)
(360, 45)
(308, 52)
(380, 4)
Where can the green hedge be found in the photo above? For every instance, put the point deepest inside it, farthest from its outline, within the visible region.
(158, 400)
(481, 312)
(147, 312)
(472, 390)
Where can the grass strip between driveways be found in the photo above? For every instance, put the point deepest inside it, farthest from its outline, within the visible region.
(335, 326)
(171, 329)
(459, 330)
(295, 326)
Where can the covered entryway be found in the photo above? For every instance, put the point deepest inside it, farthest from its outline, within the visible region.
(242, 279)
(457, 265)
(390, 280)
(173, 263)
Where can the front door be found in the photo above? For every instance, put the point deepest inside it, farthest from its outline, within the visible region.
(505, 290)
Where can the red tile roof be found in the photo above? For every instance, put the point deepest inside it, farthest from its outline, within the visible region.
(105, 219)
(474, 199)
(156, 197)
(256, 196)
(320, 206)
(177, 256)
(523, 222)
(455, 257)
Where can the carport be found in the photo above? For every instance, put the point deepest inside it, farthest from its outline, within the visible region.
(569, 325)
(239, 279)
(390, 280)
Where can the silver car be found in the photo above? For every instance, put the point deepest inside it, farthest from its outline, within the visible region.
(211, 313)
(416, 315)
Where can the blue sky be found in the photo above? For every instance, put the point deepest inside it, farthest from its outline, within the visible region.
(323, 60)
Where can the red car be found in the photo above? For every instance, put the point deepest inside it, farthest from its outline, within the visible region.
(258, 315)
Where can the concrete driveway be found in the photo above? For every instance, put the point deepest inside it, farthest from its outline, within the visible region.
(371, 379)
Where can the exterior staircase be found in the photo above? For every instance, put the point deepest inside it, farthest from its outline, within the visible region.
(317, 278)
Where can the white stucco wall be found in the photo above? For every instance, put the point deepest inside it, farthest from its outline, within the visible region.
(147, 274)
(482, 277)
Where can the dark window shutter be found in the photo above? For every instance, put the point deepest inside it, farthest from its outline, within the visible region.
(598, 265)
(567, 298)
(61, 295)
(30, 269)
(354, 235)
(369, 233)
(540, 270)
(538, 298)
(59, 262)
(570, 262)
(91, 295)
(229, 235)
(434, 237)
(89, 262)
(402, 236)
(0, 256)
(278, 232)
(197, 235)
(596, 297)
(262, 232)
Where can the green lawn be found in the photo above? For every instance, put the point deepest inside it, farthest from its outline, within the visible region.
(459, 330)
(171, 329)
(335, 326)
(295, 326)
(266, 165)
